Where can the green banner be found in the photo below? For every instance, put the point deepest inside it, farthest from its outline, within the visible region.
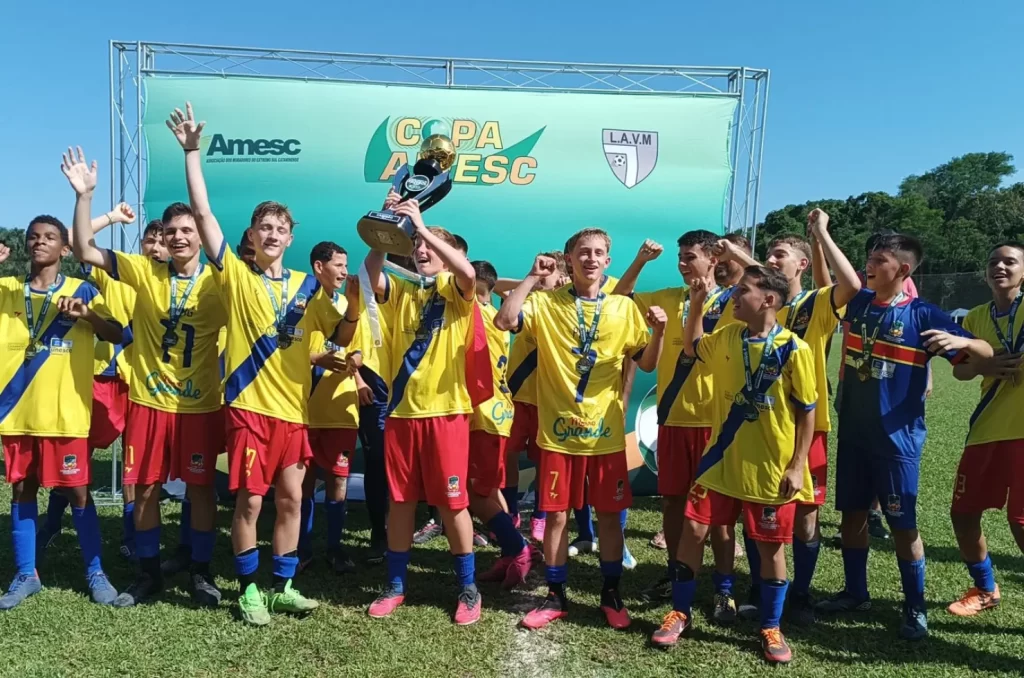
(531, 168)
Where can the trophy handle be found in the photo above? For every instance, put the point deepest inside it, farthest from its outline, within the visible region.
(396, 183)
(437, 189)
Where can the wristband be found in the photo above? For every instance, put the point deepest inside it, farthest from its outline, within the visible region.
(189, 150)
(346, 319)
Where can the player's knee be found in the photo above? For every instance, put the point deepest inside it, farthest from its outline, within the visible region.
(906, 538)
(854, 521)
(247, 507)
(964, 523)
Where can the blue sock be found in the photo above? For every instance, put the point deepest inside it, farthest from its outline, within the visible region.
(511, 495)
(584, 523)
(556, 574)
(398, 565)
(673, 567)
(611, 568)
(984, 578)
(912, 574)
(246, 563)
(202, 546)
(147, 543)
(306, 528)
(508, 536)
(540, 515)
(55, 511)
(623, 516)
(336, 514)
(23, 536)
(855, 568)
(285, 566)
(723, 582)
(185, 528)
(773, 598)
(465, 569)
(754, 561)
(87, 524)
(805, 560)
(128, 523)
(682, 596)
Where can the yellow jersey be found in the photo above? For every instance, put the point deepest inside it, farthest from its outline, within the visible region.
(746, 458)
(429, 337)
(685, 385)
(375, 358)
(182, 376)
(579, 395)
(998, 414)
(813, 317)
(495, 415)
(333, 400)
(264, 375)
(114, 359)
(49, 394)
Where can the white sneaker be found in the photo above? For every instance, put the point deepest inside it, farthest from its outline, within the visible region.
(582, 546)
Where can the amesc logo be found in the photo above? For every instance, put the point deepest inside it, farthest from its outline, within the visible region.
(224, 149)
(482, 158)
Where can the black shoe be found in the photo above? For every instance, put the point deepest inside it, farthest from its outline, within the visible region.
(876, 526)
(660, 590)
(143, 588)
(179, 562)
(341, 562)
(801, 609)
(203, 591)
(752, 608)
(378, 550)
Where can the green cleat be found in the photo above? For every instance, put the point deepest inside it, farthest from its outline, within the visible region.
(290, 600)
(253, 606)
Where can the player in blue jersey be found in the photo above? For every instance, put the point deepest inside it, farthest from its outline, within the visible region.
(891, 338)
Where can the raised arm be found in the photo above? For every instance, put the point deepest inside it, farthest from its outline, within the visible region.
(649, 251)
(657, 319)
(726, 251)
(374, 260)
(346, 329)
(507, 318)
(454, 260)
(122, 214)
(188, 133)
(847, 281)
(82, 177)
(694, 327)
(819, 267)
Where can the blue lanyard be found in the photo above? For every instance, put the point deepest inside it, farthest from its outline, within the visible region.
(1010, 342)
(177, 310)
(280, 309)
(792, 308)
(587, 336)
(35, 325)
(708, 302)
(751, 379)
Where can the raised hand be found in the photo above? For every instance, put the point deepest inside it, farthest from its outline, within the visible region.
(81, 175)
(186, 130)
(411, 209)
(657, 318)
(5, 252)
(73, 308)
(352, 292)
(699, 289)
(122, 214)
(543, 266)
(393, 199)
(724, 250)
(817, 222)
(649, 251)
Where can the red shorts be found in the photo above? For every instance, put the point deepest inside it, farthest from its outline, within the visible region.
(486, 462)
(561, 479)
(817, 461)
(259, 447)
(333, 449)
(161, 446)
(428, 459)
(56, 462)
(763, 522)
(990, 476)
(679, 451)
(524, 432)
(109, 408)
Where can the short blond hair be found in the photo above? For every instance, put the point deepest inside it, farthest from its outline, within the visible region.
(443, 235)
(570, 244)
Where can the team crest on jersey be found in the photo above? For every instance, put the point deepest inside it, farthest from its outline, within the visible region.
(69, 465)
(300, 301)
(196, 464)
(620, 489)
(803, 318)
(771, 369)
(453, 486)
(715, 312)
(685, 360)
(769, 518)
(895, 331)
(894, 506)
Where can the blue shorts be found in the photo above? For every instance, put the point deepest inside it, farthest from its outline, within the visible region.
(865, 471)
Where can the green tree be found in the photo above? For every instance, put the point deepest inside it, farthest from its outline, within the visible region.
(949, 186)
(17, 264)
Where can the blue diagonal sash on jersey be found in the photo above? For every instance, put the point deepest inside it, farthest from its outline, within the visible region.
(522, 372)
(265, 346)
(986, 399)
(28, 370)
(795, 311)
(416, 351)
(736, 416)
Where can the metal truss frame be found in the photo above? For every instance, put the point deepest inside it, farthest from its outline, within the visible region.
(132, 62)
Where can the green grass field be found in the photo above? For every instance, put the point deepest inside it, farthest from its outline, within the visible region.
(60, 633)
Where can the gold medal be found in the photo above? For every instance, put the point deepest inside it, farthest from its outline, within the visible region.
(864, 369)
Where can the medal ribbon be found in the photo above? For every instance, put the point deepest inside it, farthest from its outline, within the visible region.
(708, 302)
(868, 344)
(176, 309)
(425, 312)
(35, 325)
(1010, 342)
(587, 336)
(753, 380)
(280, 309)
(792, 308)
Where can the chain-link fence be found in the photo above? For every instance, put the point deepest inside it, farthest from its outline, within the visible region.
(954, 290)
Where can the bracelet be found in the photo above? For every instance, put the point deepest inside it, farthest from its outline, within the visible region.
(110, 220)
(189, 150)
(346, 319)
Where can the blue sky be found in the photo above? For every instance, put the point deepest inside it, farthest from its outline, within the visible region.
(862, 93)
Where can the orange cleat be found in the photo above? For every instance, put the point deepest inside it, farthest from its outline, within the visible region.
(975, 601)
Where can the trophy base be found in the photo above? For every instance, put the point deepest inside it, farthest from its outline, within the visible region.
(386, 232)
